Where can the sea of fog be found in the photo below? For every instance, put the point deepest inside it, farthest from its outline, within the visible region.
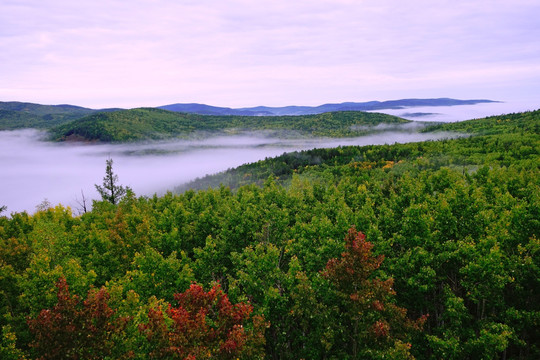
(462, 112)
(34, 170)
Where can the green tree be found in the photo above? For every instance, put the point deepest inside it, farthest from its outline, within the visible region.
(8, 347)
(154, 274)
(111, 191)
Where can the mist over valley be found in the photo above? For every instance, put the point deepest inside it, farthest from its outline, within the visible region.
(35, 170)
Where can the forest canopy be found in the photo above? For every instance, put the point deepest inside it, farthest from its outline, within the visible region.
(154, 124)
(424, 250)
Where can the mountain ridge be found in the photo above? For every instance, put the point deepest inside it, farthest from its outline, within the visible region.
(204, 109)
(156, 124)
(19, 115)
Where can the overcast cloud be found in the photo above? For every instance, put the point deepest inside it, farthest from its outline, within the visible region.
(244, 53)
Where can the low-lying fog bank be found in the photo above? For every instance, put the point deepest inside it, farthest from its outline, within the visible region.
(34, 170)
(462, 112)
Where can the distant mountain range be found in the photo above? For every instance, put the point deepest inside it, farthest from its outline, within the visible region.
(309, 110)
(18, 115)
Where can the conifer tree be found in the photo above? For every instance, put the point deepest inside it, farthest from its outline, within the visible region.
(111, 191)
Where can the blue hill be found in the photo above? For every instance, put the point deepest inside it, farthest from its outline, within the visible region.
(308, 110)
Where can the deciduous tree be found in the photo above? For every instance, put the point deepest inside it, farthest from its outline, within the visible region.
(204, 325)
(73, 329)
(373, 326)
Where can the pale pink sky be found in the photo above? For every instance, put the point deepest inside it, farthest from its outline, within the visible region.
(104, 53)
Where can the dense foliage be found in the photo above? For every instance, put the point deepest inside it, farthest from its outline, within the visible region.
(446, 266)
(205, 325)
(519, 123)
(520, 130)
(73, 329)
(148, 123)
(19, 115)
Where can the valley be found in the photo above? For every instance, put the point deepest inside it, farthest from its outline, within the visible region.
(412, 247)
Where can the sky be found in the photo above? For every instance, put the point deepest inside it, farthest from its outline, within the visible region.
(234, 53)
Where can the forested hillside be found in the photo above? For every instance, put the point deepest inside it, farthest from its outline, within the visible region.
(520, 134)
(20, 115)
(153, 124)
(427, 250)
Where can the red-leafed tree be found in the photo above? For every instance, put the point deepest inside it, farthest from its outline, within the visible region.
(75, 329)
(204, 325)
(374, 326)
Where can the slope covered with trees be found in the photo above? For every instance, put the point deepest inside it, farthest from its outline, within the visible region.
(513, 133)
(426, 250)
(148, 123)
(19, 115)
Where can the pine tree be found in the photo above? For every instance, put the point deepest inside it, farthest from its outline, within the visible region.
(111, 191)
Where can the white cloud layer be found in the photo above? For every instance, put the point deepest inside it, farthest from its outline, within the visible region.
(242, 53)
